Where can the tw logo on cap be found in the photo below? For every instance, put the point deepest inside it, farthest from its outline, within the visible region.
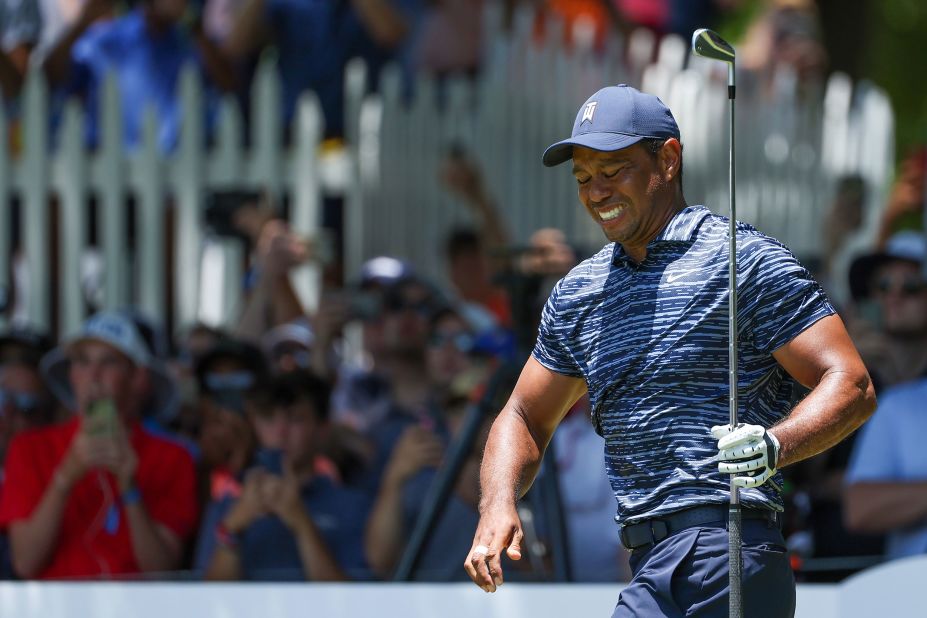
(589, 111)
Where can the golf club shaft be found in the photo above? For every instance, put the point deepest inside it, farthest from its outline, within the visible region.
(735, 609)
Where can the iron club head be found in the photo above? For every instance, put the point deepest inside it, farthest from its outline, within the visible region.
(708, 44)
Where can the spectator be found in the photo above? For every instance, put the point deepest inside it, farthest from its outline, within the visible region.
(293, 520)
(905, 208)
(25, 404)
(468, 251)
(786, 36)
(98, 496)
(20, 26)
(891, 328)
(451, 37)
(272, 300)
(145, 49)
(471, 275)
(191, 345)
(289, 346)
(316, 39)
(843, 220)
(586, 22)
(395, 330)
(408, 475)
(889, 325)
(887, 479)
(23, 345)
(451, 341)
(589, 506)
(400, 356)
(229, 376)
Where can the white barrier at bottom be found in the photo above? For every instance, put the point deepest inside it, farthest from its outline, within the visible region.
(895, 589)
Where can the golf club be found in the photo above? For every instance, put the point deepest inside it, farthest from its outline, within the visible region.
(708, 44)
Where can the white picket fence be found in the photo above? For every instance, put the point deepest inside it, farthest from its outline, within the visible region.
(790, 151)
(207, 271)
(790, 148)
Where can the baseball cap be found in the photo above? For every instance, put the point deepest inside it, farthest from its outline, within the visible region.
(613, 118)
(384, 270)
(118, 330)
(24, 343)
(908, 245)
(297, 331)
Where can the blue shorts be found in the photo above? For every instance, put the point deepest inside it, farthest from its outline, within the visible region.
(686, 574)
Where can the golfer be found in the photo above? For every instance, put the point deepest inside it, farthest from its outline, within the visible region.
(642, 326)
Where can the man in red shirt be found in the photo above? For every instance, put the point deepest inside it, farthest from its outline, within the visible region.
(98, 495)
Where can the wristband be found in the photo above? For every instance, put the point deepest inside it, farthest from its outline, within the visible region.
(131, 496)
(225, 538)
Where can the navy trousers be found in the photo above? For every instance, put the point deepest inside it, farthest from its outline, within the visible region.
(687, 574)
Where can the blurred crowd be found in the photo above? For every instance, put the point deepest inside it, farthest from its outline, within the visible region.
(291, 445)
(145, 45)
(303, 445)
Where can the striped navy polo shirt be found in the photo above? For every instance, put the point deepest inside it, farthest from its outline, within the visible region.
(651, 341)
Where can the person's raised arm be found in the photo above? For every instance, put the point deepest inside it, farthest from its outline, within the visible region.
(385, 23)
(513, 454)
(823, 359)
(57, 63)
(250, 31)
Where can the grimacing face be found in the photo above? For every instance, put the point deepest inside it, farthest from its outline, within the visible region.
(627, 191)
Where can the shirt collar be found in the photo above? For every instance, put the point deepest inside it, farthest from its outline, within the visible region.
(681, 228)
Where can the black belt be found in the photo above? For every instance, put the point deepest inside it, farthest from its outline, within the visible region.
(652, 531)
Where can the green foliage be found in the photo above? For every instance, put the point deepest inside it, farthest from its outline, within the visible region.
(896, 60)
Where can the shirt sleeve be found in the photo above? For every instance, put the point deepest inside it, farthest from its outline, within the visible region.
(174, 504)
(778, 298)
(551, 349)
(22, 486)
(23, 23)
(206, 541)
(874, 455)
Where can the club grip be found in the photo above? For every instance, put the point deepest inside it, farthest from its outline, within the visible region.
(736, 607)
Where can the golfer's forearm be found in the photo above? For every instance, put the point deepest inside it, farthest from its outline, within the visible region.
(834, 409)
(877, 507)
(511, 459)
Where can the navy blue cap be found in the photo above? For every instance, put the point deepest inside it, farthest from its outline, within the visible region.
(614, 118)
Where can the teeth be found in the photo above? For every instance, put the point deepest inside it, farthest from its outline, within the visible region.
(606, 215)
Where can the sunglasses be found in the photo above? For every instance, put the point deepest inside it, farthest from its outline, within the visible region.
(905, 286)
(235, 381)
(462, 341)
(22, 402)
(422, 307)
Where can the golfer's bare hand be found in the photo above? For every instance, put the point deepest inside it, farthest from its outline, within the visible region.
(499, 530)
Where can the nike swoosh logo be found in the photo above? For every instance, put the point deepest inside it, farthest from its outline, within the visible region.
(676, 276)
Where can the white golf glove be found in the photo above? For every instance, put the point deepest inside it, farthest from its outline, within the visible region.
(749, 449)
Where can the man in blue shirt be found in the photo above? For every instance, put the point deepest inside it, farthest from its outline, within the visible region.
(887, 479)
(146, 49)
(315, 39)
(642, 327)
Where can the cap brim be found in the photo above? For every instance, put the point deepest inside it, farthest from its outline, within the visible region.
(604, 142)
(862, 268)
